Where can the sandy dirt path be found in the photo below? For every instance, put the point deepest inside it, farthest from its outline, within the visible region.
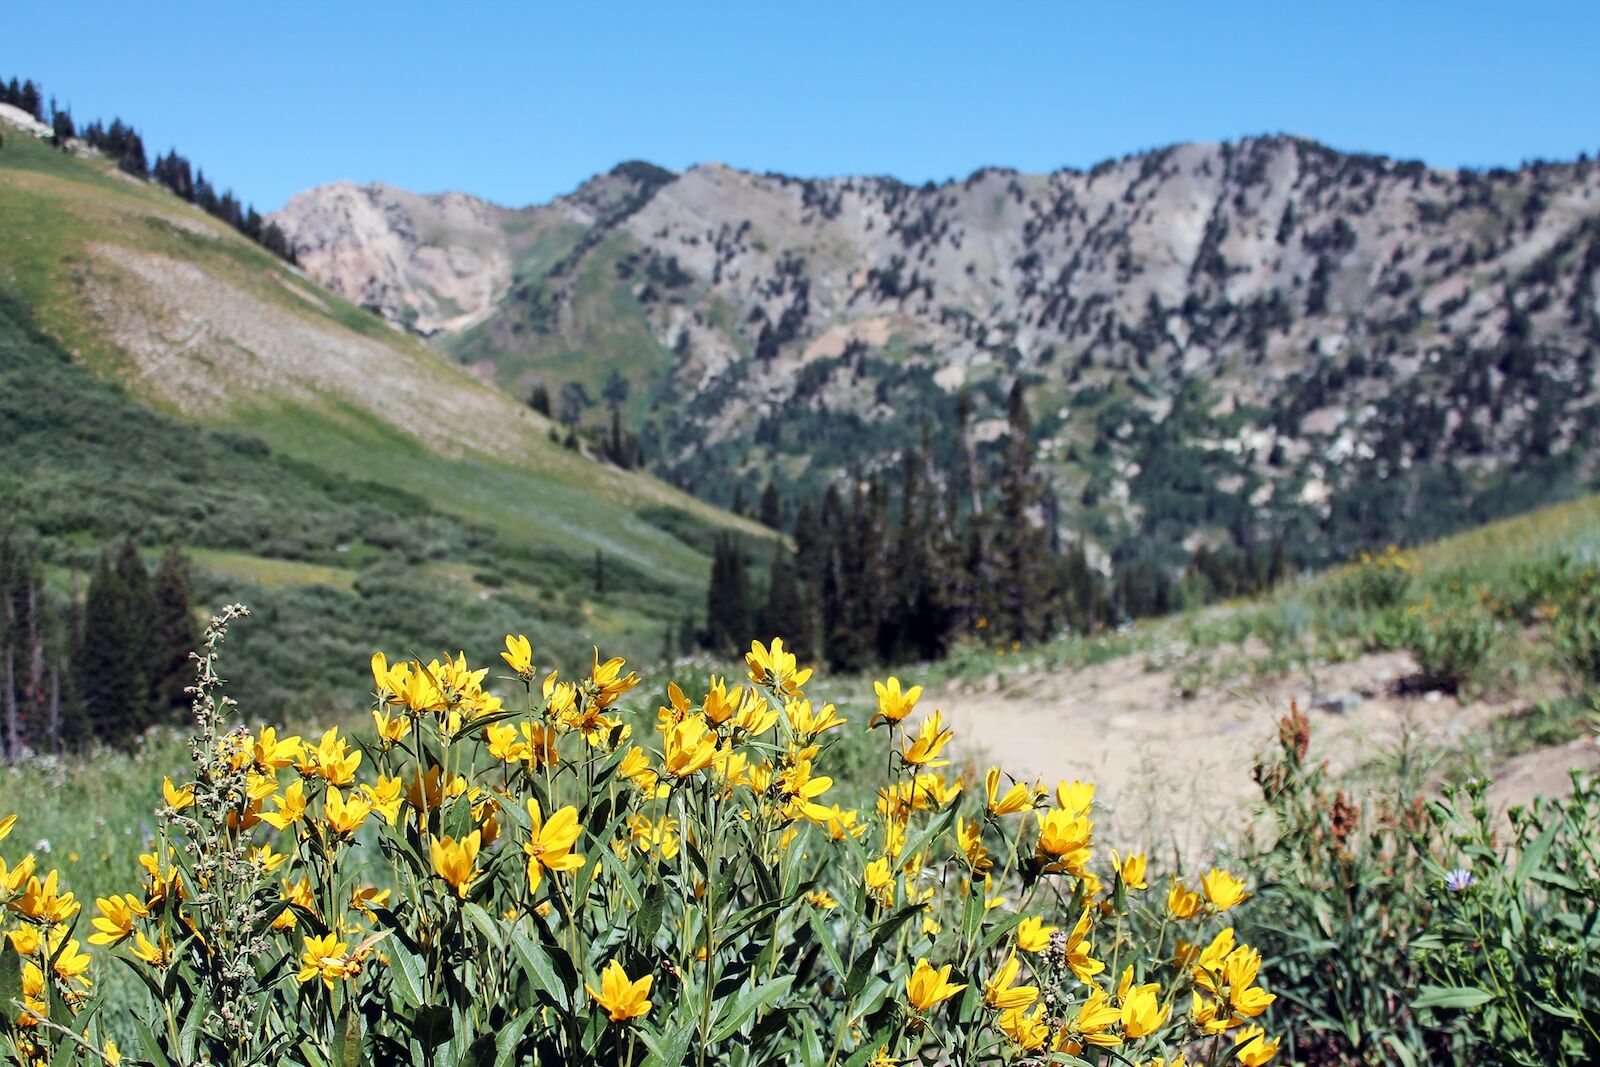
(1177, 772)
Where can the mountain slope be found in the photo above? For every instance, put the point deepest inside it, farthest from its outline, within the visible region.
(1250, 340)
(346, 443)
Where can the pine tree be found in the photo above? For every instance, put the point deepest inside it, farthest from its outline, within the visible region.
(175, 638)
(1020, 540)
(111, 668)
(771, 507)
(783, 614)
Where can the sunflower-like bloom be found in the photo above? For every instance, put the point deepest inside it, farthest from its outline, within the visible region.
(519, 655)
(879, 880)
(177, 799)
(1142, 1011)
(1002, 993)
(343, 816)
(923, 749)
(620, 996)
(44, 903)
(1075, 796)
(1028, 1030)
(331, 759)
(291, 805)
(14, 878)
(1064, 841)
(775, 668)
(1182, 902)
(927, 986)
(1252, 1047)
(688, 747)
(969, 836)
(1095, 1018)
(1131, 868)
(894, 705)
(114, 924)
(1080, 952)
(1033, 935)
(808, 722)
(1223, 889)
(457, 861)
(549, 846)
(608, 680)
(1018, 798)
(329, 959)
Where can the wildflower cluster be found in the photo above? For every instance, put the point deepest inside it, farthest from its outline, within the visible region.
(532, 867)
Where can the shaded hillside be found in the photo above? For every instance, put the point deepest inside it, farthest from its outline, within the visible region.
(168, 380)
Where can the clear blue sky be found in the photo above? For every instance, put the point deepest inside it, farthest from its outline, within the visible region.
(521, 102)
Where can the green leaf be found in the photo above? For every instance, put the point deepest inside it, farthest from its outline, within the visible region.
(505, 1042)
(152, 1047)
(1436, 996)
(406, 970)
(547, 967)
(10, 977)
(349, 1046)
(667, 1050)
(432, 1026)
(862, 967)
(483, 923)
(747, 1002)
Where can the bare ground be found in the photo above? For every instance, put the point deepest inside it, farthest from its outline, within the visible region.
(1149, 750)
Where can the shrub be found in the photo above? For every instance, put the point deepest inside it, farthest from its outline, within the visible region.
(1512, 956)
(548, 878)
(1452, 648)
(1340, 902)
(1374, 582)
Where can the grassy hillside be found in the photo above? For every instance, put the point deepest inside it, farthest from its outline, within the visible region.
(165, 379)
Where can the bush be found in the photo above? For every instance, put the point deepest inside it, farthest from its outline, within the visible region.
(551, 879)
(1512, 956)
(1452, 649)
(1374, 582)
(1340, 902)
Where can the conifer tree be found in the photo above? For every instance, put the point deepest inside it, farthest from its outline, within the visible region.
(175, 637)
(783, 614)
(1019, 540)
(111, 672)
(771, 506)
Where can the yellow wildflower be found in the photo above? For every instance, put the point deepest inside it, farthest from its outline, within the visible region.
(177, 799)
(327, 958)
(688, 747)
(519, 656)
(1018, 798)
(1131, 869)
(1033, 935)
(927, 986)
(775, 668)
(549, 846)
(1252, 1047)
(1142, 1011)
(456, 861)
(114, 924)
(1223, 889)
(1182, 902)
(343, 816)
(1001, 992)
(923, 749)
(894, 705)
(621, 997)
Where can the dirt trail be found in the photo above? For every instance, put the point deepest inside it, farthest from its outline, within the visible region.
(1148, 750)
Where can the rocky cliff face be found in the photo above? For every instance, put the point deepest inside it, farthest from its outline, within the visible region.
(1268, 323)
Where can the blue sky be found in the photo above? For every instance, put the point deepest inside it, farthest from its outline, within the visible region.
(521, 102)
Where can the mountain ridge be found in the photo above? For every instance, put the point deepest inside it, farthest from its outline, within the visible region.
(801, 329)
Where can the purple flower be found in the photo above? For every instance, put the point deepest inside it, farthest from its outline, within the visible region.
(1458, 879)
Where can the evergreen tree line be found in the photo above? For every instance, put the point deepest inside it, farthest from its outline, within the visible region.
(900, 567)
(121, 142)
(107, 667)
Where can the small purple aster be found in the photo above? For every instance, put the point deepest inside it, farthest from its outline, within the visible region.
(1458, 879)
